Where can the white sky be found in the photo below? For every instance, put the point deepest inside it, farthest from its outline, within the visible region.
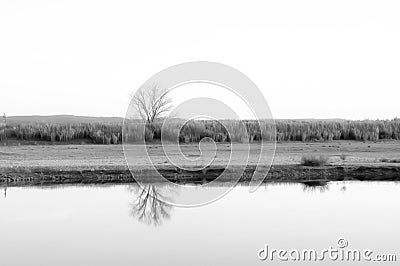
(201, 102)
(311, 59)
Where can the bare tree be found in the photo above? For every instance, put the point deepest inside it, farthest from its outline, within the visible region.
(151, 103)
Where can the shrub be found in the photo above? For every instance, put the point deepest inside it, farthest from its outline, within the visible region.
(314, 160)
(384, 160)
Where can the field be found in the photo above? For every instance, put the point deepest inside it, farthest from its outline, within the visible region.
(112, 156)
(60, 164)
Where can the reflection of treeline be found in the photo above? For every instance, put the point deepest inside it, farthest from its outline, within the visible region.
(194, 131)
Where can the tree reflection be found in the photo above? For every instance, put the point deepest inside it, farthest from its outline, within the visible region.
(313, 186)
(150, 205)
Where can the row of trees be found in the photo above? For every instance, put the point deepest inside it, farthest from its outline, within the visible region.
(281, 130)
(152, 102)
(92, 133)
(366, 130)
(219, 131)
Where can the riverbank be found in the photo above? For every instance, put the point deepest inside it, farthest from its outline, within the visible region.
(277, 173)
(74, 164)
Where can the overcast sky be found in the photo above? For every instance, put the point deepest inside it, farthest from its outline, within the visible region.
(311, 59)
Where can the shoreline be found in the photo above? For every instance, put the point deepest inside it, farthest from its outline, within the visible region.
(102, 164)
(277, 173)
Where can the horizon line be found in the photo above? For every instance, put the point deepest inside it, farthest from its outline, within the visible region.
(120, 117)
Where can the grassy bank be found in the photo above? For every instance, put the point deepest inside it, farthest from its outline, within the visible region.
(342, 160)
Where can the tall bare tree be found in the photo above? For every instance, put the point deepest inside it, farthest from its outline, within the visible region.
(151, 103)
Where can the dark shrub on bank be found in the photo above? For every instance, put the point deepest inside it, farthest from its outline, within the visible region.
(314, 160)
(385, 160)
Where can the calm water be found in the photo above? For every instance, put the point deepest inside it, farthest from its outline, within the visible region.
(107, 225)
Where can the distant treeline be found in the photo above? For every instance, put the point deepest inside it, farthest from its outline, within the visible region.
(194, 131)
(65, 133)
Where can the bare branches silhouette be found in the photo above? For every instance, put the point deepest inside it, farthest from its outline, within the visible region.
(149, 206)
(151, 103)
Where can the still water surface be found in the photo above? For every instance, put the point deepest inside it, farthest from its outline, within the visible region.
(118, 225)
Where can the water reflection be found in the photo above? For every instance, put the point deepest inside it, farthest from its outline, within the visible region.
(43, 222)
(315, 186)
(150, 205)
